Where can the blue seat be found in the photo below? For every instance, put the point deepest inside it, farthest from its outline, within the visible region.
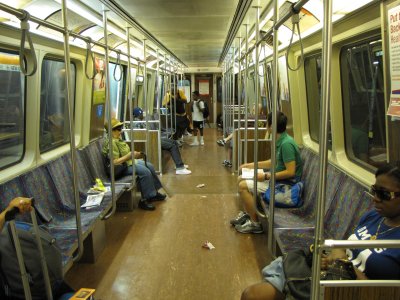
(350, 202)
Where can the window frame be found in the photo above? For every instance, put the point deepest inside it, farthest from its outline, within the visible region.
(345, 106)
(56, 58)
(16, 52)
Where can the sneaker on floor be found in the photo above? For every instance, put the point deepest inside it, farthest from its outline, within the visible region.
(249, 227)
(240, 218)
(183, 172)
(221, 143)
(202, 143)
(195, 143)
(158, 197)
(229, 165)
(225, 162)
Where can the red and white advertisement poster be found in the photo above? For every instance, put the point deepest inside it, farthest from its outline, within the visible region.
(204, 87)
(394, 107)
(394, 59)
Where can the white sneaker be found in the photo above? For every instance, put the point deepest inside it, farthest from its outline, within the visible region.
(195, 143)
(202, 141)
(183, 172)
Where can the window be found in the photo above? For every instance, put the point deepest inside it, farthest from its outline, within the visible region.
(54, 119)
(363, 102)
(116, 90)
(312, 69)
(12, 110)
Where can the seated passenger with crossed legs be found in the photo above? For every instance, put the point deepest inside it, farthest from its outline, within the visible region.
(288, 166)
(146, 175)
(383, 223)
(169, 145)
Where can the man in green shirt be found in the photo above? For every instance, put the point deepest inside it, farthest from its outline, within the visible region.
(288, 167)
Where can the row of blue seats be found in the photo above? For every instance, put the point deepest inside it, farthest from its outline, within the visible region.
(346, 200)
(51, 185)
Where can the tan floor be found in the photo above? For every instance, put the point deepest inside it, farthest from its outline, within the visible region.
(158, 255)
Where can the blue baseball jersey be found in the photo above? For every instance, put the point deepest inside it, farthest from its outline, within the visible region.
(379, 263)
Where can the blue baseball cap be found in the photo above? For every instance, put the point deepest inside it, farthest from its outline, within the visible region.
(137, 112)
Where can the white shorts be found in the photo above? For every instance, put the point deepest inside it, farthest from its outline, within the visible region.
(262, 186)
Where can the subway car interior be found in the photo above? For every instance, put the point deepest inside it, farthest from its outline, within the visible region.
(199, 99)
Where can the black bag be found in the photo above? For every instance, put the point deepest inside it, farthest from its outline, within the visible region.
(119, 170)
(340, 269)
(206, 111)
(12, 283)
(297, 266)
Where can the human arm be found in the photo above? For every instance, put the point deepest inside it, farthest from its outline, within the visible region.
(22, 203)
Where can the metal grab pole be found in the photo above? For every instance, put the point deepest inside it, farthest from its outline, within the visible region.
(130, 99)
(257, 95)
(246, 97)
(239, 95)
(72, 132)
(158, 85)
(232, 117)
(271, 240)
(109, 116)
(323, 142)
(146, 105)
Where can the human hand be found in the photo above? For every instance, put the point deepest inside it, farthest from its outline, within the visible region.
(22, 203)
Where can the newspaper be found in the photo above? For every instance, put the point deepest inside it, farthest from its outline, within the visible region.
(93, 200)
(249, 173)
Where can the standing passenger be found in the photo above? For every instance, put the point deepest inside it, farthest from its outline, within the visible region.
(146, 175)
(288, 167)
(198, 119)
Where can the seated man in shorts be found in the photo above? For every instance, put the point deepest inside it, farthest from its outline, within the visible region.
(288, 166)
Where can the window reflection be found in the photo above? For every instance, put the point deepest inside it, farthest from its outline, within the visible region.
(54, 119)
(12, 114)
(363, 102)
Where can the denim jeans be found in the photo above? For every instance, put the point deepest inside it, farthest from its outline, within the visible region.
(172, 147)
(147, 179)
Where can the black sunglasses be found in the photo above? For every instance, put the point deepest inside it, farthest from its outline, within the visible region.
(119, 128)
(383, 194)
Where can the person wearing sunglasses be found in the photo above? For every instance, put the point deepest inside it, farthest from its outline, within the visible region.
(147, 178)
(382, 223)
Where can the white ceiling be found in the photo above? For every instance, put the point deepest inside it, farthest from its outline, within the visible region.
(194, 30)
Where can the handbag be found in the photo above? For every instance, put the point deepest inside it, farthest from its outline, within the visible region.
(119, 170)
(287, 194)
(340, 269)
(297, 269)
(297, 265)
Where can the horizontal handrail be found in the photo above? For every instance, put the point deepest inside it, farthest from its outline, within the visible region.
(360, 283)
(328, 244)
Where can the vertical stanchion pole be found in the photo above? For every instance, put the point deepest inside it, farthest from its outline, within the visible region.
(130, 99)
(158, 86)
(271, 240)
(257, 95)
(146, 105)
(323, 142)
(72, 131)
(246, 95)
(239, 94)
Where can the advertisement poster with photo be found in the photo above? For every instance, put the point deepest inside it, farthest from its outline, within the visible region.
(204, 87)
(283, 79)
(394, 58)
(99, 86)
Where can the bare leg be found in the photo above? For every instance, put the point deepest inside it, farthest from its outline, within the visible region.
(247, 199)
(262, 291)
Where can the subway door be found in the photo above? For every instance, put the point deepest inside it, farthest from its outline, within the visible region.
(204, 84)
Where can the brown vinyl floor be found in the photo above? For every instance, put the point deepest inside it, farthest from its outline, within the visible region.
(159, 254)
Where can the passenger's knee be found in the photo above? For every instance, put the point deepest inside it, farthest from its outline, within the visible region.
(250, 293)
(243, 186)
